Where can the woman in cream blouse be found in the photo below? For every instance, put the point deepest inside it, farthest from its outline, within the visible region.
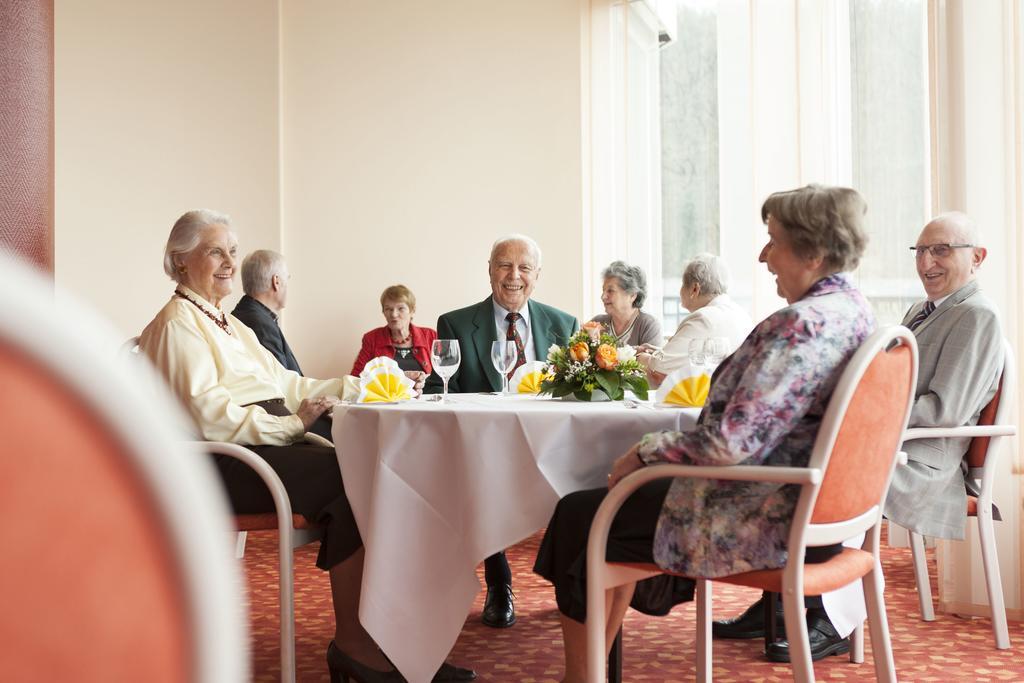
(237, 392)
(712, 314)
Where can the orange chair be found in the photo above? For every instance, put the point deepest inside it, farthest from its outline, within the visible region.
(843, 489)
(114, 566)
(994, 425)
(293, 531)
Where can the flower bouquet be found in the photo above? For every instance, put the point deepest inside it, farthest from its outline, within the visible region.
(591, 363)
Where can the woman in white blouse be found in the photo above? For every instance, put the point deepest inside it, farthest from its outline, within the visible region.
(237, 392)
(712, 314)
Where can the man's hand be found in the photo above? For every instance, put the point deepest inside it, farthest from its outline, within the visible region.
(312, 408)
(624, 464)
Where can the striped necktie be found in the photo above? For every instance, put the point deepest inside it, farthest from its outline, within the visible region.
(925, 311)
(513, 335)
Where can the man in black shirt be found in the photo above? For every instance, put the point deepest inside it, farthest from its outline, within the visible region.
(265, 282)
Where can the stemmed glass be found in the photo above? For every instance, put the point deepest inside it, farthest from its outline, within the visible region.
(445, 357)
(696, 351)
(715, 351)
(504, 355)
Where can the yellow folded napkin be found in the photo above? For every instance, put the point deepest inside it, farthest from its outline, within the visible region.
(385, 385)
(527, 378)
(378, 362)
(685, 388)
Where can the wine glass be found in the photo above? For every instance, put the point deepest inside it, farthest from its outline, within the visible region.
(504, 355)
(444, 355)
(715, 351)
(695, 350)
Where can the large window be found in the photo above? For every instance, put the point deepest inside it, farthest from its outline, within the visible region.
(758, 97)
(888, 76)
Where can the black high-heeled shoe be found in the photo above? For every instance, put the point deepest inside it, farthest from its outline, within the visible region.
(343, 667)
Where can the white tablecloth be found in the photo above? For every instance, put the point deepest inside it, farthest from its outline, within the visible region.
(436, 488)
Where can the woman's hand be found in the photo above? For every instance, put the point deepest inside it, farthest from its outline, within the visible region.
(646, 348)
(419, 378)
(312, 408)
(624, 464)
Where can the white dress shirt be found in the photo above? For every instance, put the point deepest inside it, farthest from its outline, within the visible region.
(522, 325)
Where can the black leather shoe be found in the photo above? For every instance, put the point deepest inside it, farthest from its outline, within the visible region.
(450, 672)
(343, 669)
(822, 634)
(498, 609)
(750, 624)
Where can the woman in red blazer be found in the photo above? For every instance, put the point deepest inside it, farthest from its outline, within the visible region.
(408, 344)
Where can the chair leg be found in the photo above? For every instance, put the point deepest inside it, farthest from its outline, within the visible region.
(924, 586)
(857, 644)
(615, 660)
(993, 581)
(703, 598)
(799, 643)
(287, 599)
(878, 623)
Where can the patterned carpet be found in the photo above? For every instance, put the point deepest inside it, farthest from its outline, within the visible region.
(949, 649)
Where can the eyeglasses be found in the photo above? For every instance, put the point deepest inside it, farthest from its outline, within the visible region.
(938, 250)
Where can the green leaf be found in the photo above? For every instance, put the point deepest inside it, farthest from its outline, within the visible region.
(639, 386)
(610, 383)
(562, 390)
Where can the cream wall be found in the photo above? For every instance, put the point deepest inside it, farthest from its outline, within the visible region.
(160, 107)
(414, 134)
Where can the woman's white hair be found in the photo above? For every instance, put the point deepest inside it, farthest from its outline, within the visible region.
(184, 236)
(709, 272)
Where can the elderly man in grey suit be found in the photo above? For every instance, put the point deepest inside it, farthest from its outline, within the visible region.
(960, 361)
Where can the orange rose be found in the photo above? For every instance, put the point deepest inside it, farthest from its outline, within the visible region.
(593, 330)
(579, 352)
(607, 357)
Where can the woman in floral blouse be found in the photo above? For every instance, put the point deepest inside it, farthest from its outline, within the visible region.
(764, 408)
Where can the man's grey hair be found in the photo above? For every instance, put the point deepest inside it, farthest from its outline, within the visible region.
(185, 236)
(966, 229)
(259, 269)
(631, 279)
(709, 272)
(531, 246)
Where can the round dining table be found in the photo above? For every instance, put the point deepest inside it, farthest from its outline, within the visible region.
(437, 486)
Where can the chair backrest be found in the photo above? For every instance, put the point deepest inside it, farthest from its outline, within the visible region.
(860, 434)
(111, 530)
(996, 412)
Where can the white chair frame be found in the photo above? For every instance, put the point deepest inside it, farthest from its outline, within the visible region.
(1001, 428)
(602, 575)
(289, 537)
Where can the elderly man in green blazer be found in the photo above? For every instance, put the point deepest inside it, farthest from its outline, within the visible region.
(508, 313)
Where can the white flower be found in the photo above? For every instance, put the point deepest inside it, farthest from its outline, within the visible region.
(553, 351)
(626, 353)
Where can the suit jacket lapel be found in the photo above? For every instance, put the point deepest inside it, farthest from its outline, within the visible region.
(955, 299)
(540, 330)
(483, 335)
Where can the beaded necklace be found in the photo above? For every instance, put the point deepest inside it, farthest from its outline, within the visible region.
(221, 322)
(399, 342)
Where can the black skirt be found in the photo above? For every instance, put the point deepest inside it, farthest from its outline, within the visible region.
(562, 558)
(311, 477)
